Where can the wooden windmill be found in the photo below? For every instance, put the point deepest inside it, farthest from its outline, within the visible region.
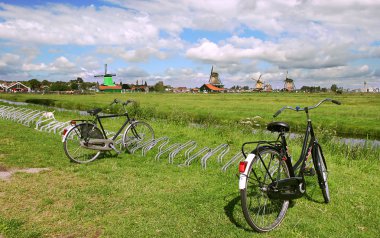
(259, 84)
(214, 79)
(107, 78)
(289, 84)
(268, 87)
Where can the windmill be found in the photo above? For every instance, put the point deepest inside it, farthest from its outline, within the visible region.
(259, 84)
(214, 79)
(289, 84)
(107, 78)
(268, 87)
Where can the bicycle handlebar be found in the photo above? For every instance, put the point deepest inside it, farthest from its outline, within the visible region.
(116, 101)
(297, 108)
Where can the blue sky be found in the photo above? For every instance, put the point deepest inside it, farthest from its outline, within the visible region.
(319, 43)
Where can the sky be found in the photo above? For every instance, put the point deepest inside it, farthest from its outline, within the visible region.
(316, 43)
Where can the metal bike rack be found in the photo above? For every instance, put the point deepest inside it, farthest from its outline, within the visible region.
(141, 145)
(163, 140)
(26, 115)
(38, 119)
(43, 121)
(191, 145)
(224, 148)
(196, 155)
(237, 157)
(30, 120)
(167, 150)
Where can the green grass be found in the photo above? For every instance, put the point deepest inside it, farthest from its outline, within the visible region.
(135, 196)
(358, 115)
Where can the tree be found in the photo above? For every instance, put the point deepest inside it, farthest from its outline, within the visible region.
(159, 86)
(73, 84)
(80, 80)
(45, 82)
(59, 86)
(34, 84)
(334, 87)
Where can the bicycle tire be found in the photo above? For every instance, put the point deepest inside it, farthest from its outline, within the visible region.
(321, 170)
(136, 133)
(254, 199)
(72, 143)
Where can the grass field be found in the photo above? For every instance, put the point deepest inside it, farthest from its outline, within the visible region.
(135, 196)
(358, 116)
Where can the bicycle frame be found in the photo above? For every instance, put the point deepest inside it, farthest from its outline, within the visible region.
(307, 148)
(128, 121)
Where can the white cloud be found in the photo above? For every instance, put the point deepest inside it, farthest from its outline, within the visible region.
(9, 59)
(135, 55)
(316, 38)
(60, 24)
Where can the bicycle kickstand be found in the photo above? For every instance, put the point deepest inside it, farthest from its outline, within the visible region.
(114, 148)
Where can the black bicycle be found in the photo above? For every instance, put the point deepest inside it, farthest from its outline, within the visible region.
(268, 179)
(83, 142)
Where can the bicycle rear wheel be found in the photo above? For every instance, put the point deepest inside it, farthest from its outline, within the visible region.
(321, 170)
(262, 213)
(73, 143)
(136, 133)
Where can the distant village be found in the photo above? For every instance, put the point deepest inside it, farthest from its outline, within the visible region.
(214, 85)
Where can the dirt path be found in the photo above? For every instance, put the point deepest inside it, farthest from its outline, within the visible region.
(7, 174)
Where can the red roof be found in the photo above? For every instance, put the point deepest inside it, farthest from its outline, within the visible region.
(212, 87)
(103, 87)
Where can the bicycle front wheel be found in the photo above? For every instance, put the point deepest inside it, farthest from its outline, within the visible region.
(321, 170)
(262, 213)
(75, 140)
(137, 132)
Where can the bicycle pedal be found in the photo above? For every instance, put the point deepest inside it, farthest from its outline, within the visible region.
(309, 171)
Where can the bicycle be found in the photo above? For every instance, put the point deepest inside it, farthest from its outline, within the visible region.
(268, 179)
(85, 141)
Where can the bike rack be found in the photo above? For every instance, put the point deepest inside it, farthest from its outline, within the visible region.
(191, 146)
(164, 140)
(167, 150)
(31, 119)
(140, 145)
(196, 155)
(25, 116)
(224, 150)
(38, 119)
(237, 157)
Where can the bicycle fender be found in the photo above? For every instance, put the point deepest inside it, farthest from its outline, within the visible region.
(243, 176)
(68, 128)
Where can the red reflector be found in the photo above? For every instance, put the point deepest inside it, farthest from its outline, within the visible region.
(64, 131)
(242, 166)
(73, 122)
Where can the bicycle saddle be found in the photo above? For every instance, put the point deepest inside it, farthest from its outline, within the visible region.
(95, 111)
(278, 126)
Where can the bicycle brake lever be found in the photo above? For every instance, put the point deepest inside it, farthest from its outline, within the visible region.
(114, 101)
(336, 102)
(277, 113)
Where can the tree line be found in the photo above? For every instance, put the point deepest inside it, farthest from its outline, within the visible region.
(72, 85)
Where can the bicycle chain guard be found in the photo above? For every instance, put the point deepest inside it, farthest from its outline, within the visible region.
(287, 189)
